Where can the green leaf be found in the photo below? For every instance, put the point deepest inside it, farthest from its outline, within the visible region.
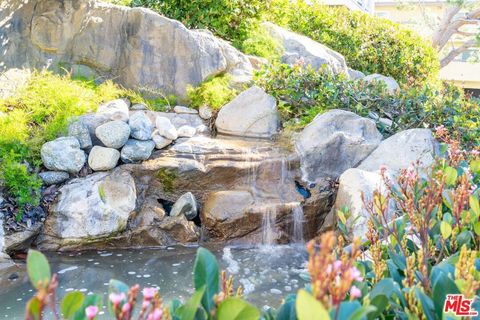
(205, 274)
(476, 228)
(33, 308)
(442, 286)
(475, 166)
(237, 309)
(189, 309)
(474, 206)
(71, 303)
(445, 229)
(450, 176)
(380, 302)
(38, 269)
(427, 304)
(89, 300)
(308, 308)
(287, 310)
(363, 312)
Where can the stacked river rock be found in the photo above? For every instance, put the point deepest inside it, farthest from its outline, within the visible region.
(115, 133)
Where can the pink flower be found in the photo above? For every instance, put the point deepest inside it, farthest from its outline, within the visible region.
(126, 307)
(337, 265)
(157, 314)
(149, 293)
(355, 292)
(383, 168)
(356, 274)
(91, 312)
(116, 298)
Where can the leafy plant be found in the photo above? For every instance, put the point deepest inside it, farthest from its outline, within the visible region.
(214, 93)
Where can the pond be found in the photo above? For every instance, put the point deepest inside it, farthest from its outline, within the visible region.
(267, 274)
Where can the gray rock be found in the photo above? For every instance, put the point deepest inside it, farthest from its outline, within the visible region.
(297, 46)
(115, 110)
(137, 150)
(390, 83)
(113, 134)
(355, 74)
(81, 132)
(92, 121)
(352, 184)
(160, 142)
(186, 131)
(186, 205)
(334, 142)
(402, 150)
(202, 129)
(253, 113)
(205, 112)
(53, 177)
(182, 109)
(165, 128)
(141, 127)
(95, 206)
(64, 31)
(63, 154)
(101, 159)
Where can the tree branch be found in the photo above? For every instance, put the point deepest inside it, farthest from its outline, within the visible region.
(455, 52)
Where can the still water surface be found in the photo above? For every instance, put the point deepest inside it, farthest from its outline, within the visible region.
(267, 274)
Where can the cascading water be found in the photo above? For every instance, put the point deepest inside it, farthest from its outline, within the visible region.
(298, 221)
(269, 230)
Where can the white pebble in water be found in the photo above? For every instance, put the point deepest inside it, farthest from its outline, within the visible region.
(288, 288)
(146, 276)
(131, 272)
(275, 291)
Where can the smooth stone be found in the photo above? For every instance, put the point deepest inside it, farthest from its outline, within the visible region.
(137, 150)
(182, 109)
(81, 132)
(115, 110)
(205, 112)
(253, 113)
(141, 127)
(63, 154)
(186, 205)
(102, 159)
(160, 142)
(166, 128)
(113, 134)
(53, 177)
(186, 132)
(402, 150)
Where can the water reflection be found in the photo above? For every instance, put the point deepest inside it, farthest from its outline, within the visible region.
(267, 276)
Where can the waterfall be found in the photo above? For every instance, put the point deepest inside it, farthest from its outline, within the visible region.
(284, 170)
(269, 230)
(298, 221)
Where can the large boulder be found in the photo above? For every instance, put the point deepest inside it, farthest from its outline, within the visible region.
(135, 46)
(298, 47)
(165, 128)
(97, 206)
(352, 184)
(334, 142)
(390, 83)
(253, 113)
(63, 154)
(102, 159)
(403, 150)
(113, 134)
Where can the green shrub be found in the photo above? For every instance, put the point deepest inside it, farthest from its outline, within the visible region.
(303, 93)
(369, 44)
(259, 43)
(39, 113)
(214, 93)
